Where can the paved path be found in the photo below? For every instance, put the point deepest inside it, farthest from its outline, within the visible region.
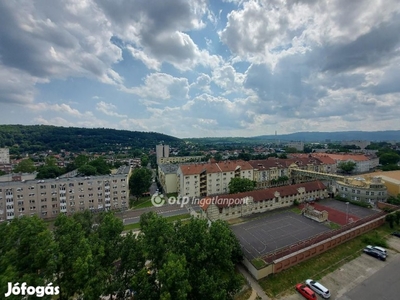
(253, 283)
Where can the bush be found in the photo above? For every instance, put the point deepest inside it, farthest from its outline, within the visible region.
(375, 240)
(296, 203)
(358, 203)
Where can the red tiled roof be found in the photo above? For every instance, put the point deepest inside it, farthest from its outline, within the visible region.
(267, 194)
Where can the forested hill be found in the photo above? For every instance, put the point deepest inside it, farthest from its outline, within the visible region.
(34, 138)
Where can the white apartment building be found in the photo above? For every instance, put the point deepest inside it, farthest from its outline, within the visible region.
(202, 179)
(48, 198)
(4, 156)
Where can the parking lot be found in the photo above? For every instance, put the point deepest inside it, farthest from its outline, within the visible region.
(267, 234)
(358, 278)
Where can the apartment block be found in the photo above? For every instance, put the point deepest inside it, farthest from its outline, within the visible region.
(179, 159)
(202, 179)
(48, 198)
(368, 189)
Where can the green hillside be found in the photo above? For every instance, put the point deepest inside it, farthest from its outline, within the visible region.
(34, 138)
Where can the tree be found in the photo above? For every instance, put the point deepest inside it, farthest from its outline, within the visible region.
(347, 166)
(390, 218)
(140, 181)
(390, 158)
(102, 168)
(25, 248)
(218, 157)
(73, 257)
(87, 170)
(239, 185)
(2, 173)
(25, 166)
(144, 160)
(81, 160)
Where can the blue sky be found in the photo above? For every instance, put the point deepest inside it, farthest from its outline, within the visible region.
(201, 68)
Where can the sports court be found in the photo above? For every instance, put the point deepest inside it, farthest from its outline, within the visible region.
(360, 212)
(272, 232)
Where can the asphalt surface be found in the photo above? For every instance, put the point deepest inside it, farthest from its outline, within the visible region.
(358, 211)
(382, 285)
(272, 232)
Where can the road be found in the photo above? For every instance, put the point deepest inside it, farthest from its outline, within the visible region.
(167, 210)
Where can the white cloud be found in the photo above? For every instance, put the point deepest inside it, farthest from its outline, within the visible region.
(162, 86)
(108, 109)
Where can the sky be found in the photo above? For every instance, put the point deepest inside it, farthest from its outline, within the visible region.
(201, 68)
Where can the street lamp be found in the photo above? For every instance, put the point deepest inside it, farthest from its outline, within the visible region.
(347, 212)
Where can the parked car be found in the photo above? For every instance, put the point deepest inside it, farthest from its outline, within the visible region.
(318, 288)
(305, 291)
(377, 248)
(396, 233)
(375, 253)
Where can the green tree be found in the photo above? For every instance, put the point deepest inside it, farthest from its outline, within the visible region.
(397, 217)
(390, 218)
(144, 160)
(87, 170)
(2, 173)
(102, 168)
(46, 171)
(218, 157)
(81, 160)
(140, 181)
(174, 276)
(73, 257)
(347, 166)
(25, 248)
(25, 166)
(390, 158)
(239, 185)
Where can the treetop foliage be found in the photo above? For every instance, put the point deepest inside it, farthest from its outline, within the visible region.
(86, 256)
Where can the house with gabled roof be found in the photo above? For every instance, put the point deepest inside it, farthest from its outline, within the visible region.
(231, 206)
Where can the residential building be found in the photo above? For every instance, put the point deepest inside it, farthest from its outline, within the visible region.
(202, 179)
(368, 189)
(167, 176)
(230, 206)
(179, 159)
(18, 177)
(391, 179)
(48, 198)
(299, 146)
(4, 156)
(363, 162)
(161, 151)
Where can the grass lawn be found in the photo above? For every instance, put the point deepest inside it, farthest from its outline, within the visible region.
(296, 210)
(333, 226)
(169, 219)
(244, 294)
(323, 264)
(142, 203)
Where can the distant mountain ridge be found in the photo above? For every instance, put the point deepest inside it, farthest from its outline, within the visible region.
(373, 136)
